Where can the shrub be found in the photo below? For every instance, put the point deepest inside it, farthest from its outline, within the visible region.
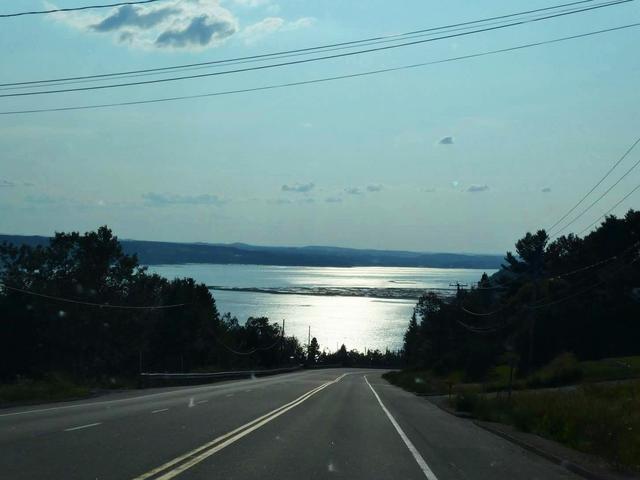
(562, 370)
(467, 401)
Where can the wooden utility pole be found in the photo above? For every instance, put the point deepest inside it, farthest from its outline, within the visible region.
(532, 313)
(459, 288)
(282, 343)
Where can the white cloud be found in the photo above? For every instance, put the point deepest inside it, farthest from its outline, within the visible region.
(333, 200)
(353, 190)
(279, 201)
(298, 187)
(252, 3)
(270, 25)
(162, 199)
(6, 183)
(178, 24)
(477, 188)
(174, 24)
(374, 187)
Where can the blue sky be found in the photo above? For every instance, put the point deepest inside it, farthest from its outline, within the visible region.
(464, 156)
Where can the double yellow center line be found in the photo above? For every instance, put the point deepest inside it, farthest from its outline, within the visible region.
(175, 467)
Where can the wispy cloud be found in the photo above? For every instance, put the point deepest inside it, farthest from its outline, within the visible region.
(298, 187)
(252, 3)
(129, 16)
(446, 141)
(333, 200)
(353, 191)
(270, 25)
(477, 188)
(163, 199)
(46, 199)
(279, 201)
(375, 187)
(173, 24)
(546, 190)
(6, 184)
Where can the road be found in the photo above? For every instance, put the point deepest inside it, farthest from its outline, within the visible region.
(336, 423)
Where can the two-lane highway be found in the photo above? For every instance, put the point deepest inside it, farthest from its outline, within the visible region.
(313, 424)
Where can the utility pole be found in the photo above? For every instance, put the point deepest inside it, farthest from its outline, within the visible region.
(309, 337)
(532, 312)
(282, 343)
(459, 287)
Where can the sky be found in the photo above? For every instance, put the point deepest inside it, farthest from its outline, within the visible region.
(464, 156)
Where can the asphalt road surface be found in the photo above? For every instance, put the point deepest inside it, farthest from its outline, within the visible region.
(336, 423)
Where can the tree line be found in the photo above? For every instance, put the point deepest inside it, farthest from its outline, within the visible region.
(573, 294)
(81, 306)
(74, 306)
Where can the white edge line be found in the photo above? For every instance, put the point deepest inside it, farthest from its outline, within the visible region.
(160, 410)
(82, 426)
(414, 451)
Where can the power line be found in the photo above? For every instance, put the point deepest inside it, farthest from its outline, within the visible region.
(588, 289)
(485, 314)
(318, 80)
(92, 304)
(479, 330)
(300, 50)
(493, 329)
(555, 277)
(610, 210)
(606, 192)
(207, 65)
(250, 352)
(309, 60)
(75, 9)
(626, 153)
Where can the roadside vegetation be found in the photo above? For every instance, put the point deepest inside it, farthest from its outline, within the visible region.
(561, 371)
(80, 314)
(600, 419)
(557, 325)
(48, 388)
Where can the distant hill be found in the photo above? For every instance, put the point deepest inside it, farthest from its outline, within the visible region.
(156, 253)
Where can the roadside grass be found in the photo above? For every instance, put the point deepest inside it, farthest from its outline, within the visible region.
(611, 368)
(602, 420)
(562, 370)
(52, 388)
(418, 381)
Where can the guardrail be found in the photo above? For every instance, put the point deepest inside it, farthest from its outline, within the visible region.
(147, 380)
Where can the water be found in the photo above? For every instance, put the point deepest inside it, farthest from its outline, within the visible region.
(362, 307)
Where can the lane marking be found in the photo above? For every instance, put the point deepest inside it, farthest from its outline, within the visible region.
(82, 426)
(414, 451)
(197, 450)
(160, 410)
(201, 401)
(198, 454)
(230, 384)
(207, 453)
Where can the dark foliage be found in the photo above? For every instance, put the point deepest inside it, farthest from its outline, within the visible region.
(39, 334)
(578, 295)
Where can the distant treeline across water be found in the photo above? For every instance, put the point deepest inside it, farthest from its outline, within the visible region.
(158, 253)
